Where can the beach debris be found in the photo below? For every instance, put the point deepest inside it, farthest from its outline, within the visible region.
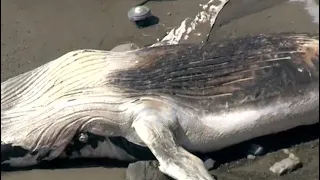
(286, 165)
(209, 163)
(139, 13)
(256, 150)
(145, 170)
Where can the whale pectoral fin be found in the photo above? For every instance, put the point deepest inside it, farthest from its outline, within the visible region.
(174, 160)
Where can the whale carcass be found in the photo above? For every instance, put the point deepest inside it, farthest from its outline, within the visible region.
(173, 100)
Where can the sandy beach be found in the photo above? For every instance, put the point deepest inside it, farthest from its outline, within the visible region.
(36, 31)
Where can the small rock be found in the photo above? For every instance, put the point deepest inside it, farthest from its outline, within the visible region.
(256, 149)
(286, 165)
(169, 13)
(250, 156)
(145, 170)
(209, 163)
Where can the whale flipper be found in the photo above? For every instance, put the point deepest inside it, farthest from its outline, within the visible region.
(154, 130)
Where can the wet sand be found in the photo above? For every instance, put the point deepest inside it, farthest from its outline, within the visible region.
(37, 31)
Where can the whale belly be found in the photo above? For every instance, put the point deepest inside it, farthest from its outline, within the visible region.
(214, 131)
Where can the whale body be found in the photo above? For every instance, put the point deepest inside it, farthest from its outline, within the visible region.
(209, 96)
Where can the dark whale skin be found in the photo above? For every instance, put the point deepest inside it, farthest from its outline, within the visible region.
(253, 69)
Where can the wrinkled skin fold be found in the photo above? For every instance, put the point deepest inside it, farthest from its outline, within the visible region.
(173, 100)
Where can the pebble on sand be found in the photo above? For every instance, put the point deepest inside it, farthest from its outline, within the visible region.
(288, 164)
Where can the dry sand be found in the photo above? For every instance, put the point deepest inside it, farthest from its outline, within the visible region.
(36, 31)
